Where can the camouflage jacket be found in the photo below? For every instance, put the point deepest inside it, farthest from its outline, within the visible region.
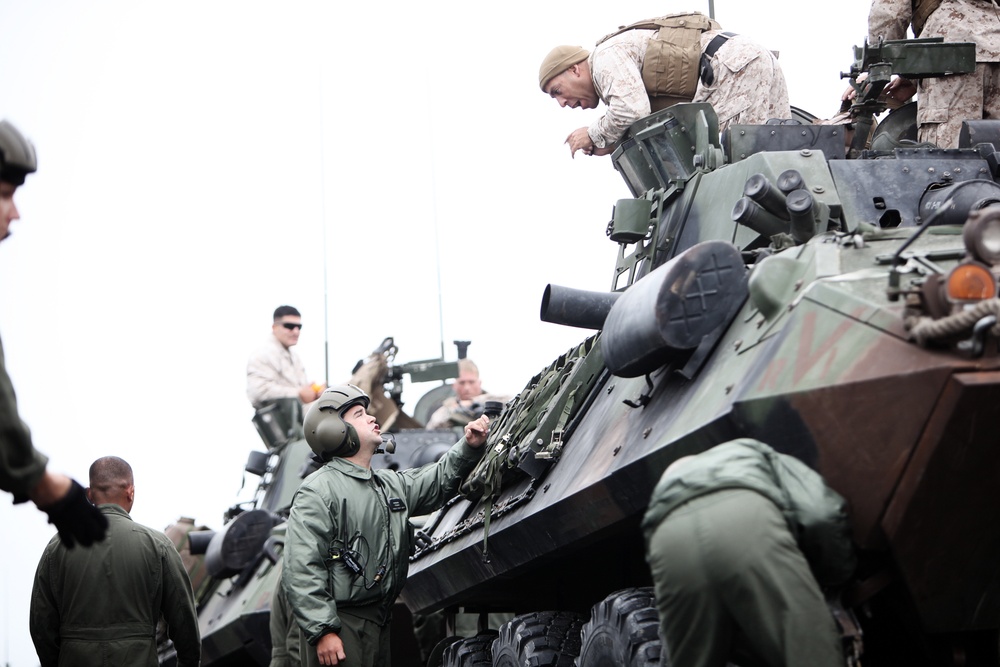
(816, 515)
(100, 606)
(274, 372)
(749, 86)
(344, 507)
(21, 465)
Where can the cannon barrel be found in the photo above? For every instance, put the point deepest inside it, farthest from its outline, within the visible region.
(575, 307)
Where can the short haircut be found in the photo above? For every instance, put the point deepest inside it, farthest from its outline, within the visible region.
(467, 365)
(282, 311)
(109, 473)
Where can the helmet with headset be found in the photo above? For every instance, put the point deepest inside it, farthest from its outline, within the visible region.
(327, 433)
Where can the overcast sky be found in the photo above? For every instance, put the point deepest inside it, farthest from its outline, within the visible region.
(390, 169)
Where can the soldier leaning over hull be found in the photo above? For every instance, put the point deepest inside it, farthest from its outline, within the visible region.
(650, 65)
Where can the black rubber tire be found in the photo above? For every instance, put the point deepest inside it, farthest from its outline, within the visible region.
(539, 639)
(471, 651)
(437, 653)
(623, 631)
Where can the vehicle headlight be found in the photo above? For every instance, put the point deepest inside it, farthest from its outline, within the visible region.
(981, 235)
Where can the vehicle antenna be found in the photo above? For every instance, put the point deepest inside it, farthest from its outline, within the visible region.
(437, 242)
(322, 214)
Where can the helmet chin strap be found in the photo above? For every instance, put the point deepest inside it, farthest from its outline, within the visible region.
(388, 445)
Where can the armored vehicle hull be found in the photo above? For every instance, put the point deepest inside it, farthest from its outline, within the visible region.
(765, 287)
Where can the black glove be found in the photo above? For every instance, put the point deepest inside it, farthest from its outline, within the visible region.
(76, 519)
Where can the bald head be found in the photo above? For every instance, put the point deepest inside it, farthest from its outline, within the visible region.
(111, 481)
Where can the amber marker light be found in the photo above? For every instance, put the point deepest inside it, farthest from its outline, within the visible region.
(971, 281)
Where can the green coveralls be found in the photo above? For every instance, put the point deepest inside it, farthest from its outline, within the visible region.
(732, 581)
(346, 506)
(21, 465)
(285, 633)
(100, 606)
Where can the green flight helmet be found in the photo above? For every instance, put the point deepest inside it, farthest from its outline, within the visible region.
(327, 433)
(17, 155)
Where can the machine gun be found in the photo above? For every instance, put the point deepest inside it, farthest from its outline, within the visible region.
(907, 58)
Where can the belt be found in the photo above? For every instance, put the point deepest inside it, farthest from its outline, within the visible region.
(705, 72)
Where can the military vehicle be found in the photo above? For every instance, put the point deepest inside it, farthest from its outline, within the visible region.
(833, 296)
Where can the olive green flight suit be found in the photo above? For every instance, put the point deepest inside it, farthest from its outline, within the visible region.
(732, 580)
(21, 465)
(100, 606)
(346, 506)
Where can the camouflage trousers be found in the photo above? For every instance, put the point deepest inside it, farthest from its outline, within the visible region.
(943, 103)
(732, 584)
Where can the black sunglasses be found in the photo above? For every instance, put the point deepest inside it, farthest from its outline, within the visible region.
(291, 326)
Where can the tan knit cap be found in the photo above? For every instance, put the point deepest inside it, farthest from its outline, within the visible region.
(558, 61)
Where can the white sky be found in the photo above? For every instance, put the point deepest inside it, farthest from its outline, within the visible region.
(201, 163)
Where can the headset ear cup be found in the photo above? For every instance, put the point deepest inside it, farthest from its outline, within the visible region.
(326, 432)
(352, 442)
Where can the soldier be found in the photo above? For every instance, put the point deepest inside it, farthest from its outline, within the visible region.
(22, 467)
(944, 102)
(469, 399)
(275, 371)
(100, 606)
(653, 64)
(348, 540)
(737, 538)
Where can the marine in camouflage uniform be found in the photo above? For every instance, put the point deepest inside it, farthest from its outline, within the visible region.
(944, 102)
(746, 84)
(732, 579)
(100, 606)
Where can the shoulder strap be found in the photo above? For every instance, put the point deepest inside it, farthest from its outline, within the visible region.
(692, 20)
(705, 69)
(922, 9)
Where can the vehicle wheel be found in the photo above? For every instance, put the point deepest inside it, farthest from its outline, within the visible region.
(623, 631)
(436, 657)
(471, 651)
(539, 639)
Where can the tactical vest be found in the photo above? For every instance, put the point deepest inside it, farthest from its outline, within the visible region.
(670, 67)
(921, 10)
